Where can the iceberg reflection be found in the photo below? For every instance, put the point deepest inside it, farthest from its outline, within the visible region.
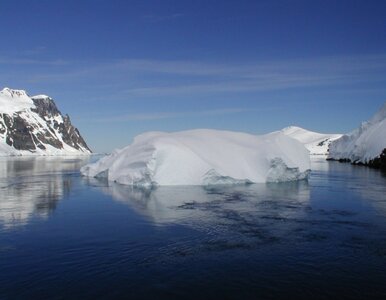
(367, 183)
(32, 187)
(215, 207)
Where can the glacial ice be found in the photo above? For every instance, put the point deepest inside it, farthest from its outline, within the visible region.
(204, 157)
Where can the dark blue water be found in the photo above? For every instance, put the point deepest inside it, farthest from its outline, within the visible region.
(67, 237)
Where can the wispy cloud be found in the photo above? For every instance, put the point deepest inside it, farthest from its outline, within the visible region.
(232, 86)
(30, 61)
(34, 51)
(135, 78)
(333, 64)
(171, 115)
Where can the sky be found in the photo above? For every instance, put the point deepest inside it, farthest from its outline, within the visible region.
(120, 68)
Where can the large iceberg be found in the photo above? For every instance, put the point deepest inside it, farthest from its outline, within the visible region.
(364, 144)
(204, 157)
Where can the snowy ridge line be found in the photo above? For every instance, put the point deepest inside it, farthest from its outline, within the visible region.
(316, 143)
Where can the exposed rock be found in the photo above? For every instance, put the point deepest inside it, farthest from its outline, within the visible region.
(35, 125)
(45, 106)
(71, 135)
(379, 162)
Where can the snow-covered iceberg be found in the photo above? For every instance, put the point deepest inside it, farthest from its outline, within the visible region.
(204, 157)
(317, 143)
(363, 145)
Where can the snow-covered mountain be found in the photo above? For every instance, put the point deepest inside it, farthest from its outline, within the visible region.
(35, 126)
(365, 145)
(204, 157)
(316, 143)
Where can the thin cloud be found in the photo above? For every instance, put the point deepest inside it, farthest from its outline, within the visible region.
(34, 51)
(141, 77)
(279, 82)
(28, 61)
(172, 115)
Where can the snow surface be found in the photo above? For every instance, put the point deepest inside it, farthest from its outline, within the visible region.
(204, 157)
(18, 101)
(316, 143)
(14, 100)
(363, 144)
(41, 97)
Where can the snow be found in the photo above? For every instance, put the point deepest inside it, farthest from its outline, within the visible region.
(14, 100)
(316, 143)
(41, 97)
(18, 101)
(204, 157)
(363, 144)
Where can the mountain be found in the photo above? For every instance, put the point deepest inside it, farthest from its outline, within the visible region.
(204, 157)
(35, 126)
(316, 143)
(365, 145)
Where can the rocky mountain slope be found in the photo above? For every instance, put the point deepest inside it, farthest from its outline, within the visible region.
(35, 126)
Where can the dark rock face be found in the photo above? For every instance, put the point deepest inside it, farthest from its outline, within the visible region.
(376, 163)
(18, 135)
(23, 131)
(379, 162)
(71, 135)
(45, 107)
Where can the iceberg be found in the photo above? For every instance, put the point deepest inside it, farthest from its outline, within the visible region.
(203, 157)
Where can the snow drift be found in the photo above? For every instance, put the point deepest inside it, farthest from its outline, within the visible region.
(204, 157)
(363, 144)
(316, 143)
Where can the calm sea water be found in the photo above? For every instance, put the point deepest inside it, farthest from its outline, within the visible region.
(63, 236)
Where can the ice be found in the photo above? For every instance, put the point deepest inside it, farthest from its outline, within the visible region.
(363, 144)
(204, 157)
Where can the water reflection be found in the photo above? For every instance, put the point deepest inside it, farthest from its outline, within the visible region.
(32, 187)
(240, 215)
(366, 184)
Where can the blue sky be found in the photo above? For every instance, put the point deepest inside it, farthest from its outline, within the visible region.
(119, 68)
